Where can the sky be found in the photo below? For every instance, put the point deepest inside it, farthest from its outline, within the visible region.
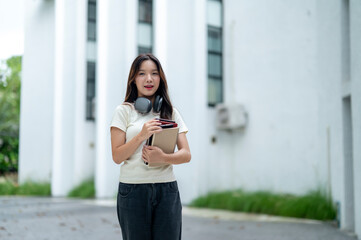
(11, 28)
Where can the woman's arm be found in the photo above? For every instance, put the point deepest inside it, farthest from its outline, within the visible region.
(152, 154)
(122, 151)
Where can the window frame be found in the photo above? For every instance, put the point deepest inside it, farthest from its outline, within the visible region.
(91, 79)
(91, 20)
(219, 53)
(141, 48)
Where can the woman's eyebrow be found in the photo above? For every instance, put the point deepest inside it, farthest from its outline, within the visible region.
(153, 70)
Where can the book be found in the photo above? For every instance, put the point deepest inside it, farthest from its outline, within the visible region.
(165, 140)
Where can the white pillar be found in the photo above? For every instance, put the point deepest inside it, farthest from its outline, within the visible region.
(160, 15)
(84, 130)
(200, 140)
(37, 90)
(64, 93)
(116, 49)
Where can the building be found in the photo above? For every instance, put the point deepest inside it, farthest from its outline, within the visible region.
(293, 65)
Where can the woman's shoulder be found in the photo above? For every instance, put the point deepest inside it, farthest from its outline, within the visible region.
(125, 107)
(175, 113)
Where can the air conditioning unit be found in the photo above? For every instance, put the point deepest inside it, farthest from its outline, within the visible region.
(231, 116)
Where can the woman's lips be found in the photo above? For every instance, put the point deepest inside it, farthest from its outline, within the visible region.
(148, 87)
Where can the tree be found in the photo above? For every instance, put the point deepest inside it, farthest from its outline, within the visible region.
(10, 82)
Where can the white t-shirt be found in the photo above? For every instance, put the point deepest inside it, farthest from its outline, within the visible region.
(133, 170)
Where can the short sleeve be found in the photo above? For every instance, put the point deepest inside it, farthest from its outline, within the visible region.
(179, 120)
(120, 117)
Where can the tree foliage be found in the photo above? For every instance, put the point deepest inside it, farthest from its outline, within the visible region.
(10, 81)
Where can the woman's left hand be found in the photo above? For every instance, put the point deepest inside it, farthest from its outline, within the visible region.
(151, 154)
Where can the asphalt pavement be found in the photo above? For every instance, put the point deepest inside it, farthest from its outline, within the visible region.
(40, 218)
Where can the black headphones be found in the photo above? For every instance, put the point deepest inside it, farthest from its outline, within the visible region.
(144, 105)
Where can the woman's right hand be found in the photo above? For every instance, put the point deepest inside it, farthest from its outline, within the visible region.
(149, 128)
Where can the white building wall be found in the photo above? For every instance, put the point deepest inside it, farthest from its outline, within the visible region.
(270, 67)
(37, 90)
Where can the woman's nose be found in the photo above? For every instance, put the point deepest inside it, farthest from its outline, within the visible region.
(149, 77)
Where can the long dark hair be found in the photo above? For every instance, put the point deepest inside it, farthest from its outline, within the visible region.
(166, 110)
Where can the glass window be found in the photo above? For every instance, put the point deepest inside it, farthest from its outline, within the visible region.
(214, 91)
(214, 13)
(145, 11)
(91, 31)
(91, 51)
(90, 91)
(214, 39)
(142, 50)
(145, 26)
(92, 11)
(214, 65)
(145, 35)
(215, 54)
(92, 20)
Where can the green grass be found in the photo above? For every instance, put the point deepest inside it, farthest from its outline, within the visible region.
(28, 188)
(84, 190)
(313, 205)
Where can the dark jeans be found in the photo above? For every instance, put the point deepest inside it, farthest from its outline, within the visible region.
(149, 211)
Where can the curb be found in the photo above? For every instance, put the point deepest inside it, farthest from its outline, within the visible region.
(239, 216)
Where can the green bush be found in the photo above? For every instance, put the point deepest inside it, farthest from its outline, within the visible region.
(9, 154)
(84, 190)
(10, 111)
(28, 188)
(313, 205)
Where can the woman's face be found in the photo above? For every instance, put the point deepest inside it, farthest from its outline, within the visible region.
(147, 79)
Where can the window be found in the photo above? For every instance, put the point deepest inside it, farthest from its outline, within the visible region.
(92, 20)
(91, 62)
(214, 46)
(90, 91)
(145, 26)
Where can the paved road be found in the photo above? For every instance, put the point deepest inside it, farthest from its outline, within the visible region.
(36, 218)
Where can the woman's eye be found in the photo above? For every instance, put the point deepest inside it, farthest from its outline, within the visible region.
(155, 73)
(141, 73)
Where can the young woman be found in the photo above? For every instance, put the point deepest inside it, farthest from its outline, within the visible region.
(148, 201)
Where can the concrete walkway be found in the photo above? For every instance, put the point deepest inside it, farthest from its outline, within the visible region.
(36, 218)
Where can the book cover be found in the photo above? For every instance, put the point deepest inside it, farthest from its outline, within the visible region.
(165, 140)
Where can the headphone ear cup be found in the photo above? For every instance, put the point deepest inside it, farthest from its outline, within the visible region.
(143, 105)
(157, 104)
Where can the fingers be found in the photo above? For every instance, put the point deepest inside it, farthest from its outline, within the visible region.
(145, 159)
(145, 155)
(154, 122)
(151, 127)
(155, 129)
(147, 148)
